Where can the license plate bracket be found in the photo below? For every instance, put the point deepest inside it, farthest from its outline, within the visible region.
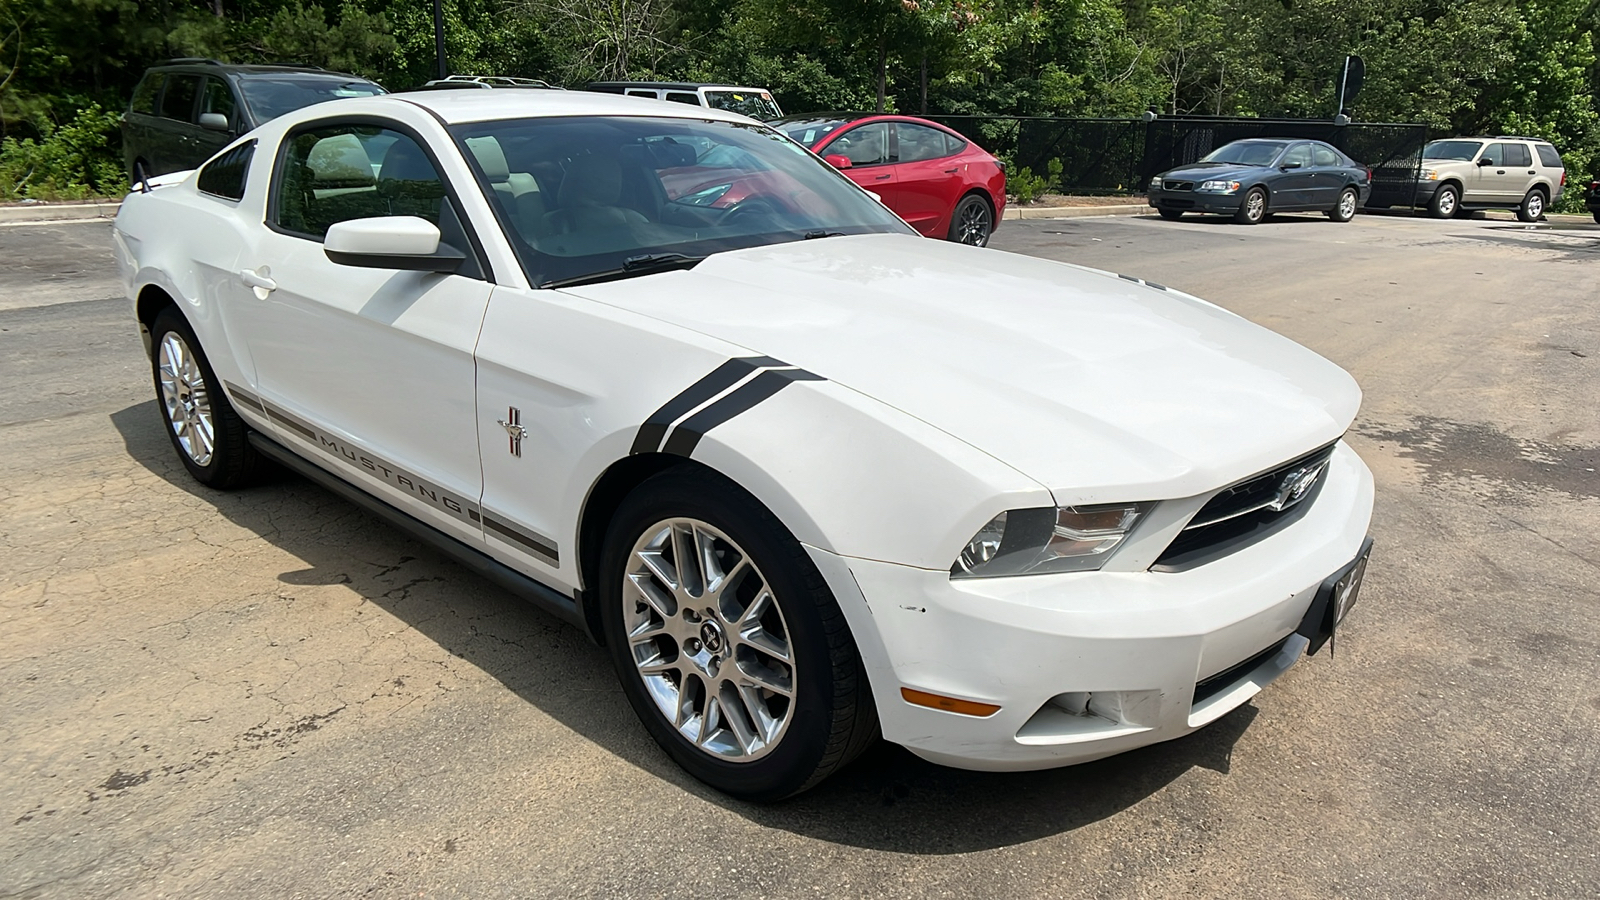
(1334, 598)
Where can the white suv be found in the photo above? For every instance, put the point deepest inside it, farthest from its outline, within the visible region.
(1458, 175)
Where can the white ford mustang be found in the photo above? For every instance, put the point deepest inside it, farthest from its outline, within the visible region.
(809, 477)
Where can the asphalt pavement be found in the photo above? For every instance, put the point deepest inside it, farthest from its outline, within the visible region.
(270, 694)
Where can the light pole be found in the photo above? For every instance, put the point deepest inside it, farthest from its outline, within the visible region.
(438, 38)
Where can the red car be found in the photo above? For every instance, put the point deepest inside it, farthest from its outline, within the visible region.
(940, 182)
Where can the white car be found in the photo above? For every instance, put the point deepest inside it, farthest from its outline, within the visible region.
(809, 477)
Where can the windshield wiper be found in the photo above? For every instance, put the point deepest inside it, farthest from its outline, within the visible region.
(643, 264)
(813, 235)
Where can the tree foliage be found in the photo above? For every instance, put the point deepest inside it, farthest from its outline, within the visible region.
(1469, 66)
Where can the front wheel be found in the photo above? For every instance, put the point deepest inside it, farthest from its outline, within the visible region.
(1532, 208)
(1345, 209)
(1253, 208)
(730, 647)
(1444, 203)
(211, 440)
(973, 222)
(1597, 217)
(1171, 215)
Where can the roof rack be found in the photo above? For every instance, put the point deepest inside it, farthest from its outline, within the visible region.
(1520, 137)
(192, 61)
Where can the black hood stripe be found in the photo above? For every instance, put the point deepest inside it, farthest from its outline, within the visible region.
(687, 435)
(721, 378)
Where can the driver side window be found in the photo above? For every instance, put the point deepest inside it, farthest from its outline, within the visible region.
(864, 146)
(1299, 153)
(1494, 155)
(340, 172)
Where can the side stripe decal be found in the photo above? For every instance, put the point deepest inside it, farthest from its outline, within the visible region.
(240, 395)
(541, 547)
(772, 375)
(721, 378)
(689, 432)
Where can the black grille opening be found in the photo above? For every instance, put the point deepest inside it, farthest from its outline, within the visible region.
(1210, 687)
(1239, 516)
(1177, 185)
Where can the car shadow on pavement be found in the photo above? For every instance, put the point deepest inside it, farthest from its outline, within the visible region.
(887, 800)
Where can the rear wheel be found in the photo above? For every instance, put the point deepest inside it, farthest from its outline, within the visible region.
(730, 647)
(1445, 202)
(973, 222)
(210, 438)
(1597, 217)
(1253, 208)
(1532, 208)
(1171, 215)
(1345, 209)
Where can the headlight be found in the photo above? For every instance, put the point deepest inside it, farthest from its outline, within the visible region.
(1037, 541)
(1221, 187)
(1430, 175)
(1155, 183)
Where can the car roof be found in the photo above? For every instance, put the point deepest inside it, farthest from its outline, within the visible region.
(675, 85)
(215, 67)
(459, 107)
(853, 117)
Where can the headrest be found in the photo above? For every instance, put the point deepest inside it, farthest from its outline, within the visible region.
(592, 181)
(340, 160)
(490, 157)
(405, 161)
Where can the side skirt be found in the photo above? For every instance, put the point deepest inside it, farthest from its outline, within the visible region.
(552, 601)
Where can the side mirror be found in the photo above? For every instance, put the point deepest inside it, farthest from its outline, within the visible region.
(1485, 162)
(838, 160)
(391, 242)
(1287, 166)
(214, 121)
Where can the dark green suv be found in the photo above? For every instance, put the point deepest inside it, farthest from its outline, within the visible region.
(185, 110)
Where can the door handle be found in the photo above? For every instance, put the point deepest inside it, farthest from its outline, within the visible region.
(1499, 171)
(261, 284)
(880, 178)
(952, 171)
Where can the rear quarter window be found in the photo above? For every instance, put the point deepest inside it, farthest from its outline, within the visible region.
(1548, 156)
(146, 94)
(225, 176)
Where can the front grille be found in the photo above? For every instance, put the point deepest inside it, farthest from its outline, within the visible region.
(1245, 513)
(1172, 203)
(1177, 185)
(1210, 687)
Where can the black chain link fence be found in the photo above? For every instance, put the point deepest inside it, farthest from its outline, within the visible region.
(1119, 156)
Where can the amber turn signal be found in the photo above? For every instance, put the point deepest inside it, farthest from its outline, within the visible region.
(948, 704)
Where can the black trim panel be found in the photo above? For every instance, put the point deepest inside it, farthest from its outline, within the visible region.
(542, 595)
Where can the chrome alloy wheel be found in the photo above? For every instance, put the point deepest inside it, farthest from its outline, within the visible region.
(186, 399)
(1255, 205)
(708, 639)
(1447, 203)
(1533, 205)
(975, 224)
(1347, 206)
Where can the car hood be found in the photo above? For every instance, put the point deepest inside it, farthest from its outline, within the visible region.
(1207, 171)
(1099, 387)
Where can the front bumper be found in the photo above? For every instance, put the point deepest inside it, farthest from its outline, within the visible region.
(1195, 201)
(1091, 664)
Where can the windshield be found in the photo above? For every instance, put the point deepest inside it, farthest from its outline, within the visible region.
(755, 104)
(808, 132)
(1462, 150)
(270, 96)
(584, 196)
(1246, 153)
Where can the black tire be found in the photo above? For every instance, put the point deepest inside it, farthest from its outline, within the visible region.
(1250, 211)
(1344, 209)
(832, 717)
(972, 222)
(1446, 202)
(1533, 205)
(1171, 215)
(1597, 217)
(232, 462)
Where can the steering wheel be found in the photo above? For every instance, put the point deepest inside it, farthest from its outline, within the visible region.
(757, 205)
